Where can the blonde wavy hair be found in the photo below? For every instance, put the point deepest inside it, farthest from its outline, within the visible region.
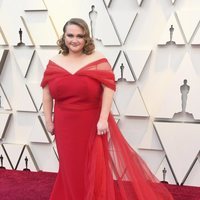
(89, 43)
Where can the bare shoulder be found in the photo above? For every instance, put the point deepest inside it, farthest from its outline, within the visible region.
(97, 55)
(57, 57)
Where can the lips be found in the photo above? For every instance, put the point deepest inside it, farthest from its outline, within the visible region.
(74, 45)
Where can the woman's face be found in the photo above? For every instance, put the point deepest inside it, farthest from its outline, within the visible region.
(74, 38)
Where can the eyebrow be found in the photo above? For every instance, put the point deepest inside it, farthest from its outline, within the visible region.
(68, 34)
(74, 35)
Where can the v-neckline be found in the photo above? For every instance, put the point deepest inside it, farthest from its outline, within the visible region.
(84, 66)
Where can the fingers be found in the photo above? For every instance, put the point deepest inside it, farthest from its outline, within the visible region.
(102, 131)
(52, 132)
(50, 128)
(102, 127)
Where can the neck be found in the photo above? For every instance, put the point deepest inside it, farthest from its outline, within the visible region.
(75, 55)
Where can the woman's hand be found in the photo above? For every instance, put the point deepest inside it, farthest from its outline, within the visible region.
(50, 127)
(102, 127)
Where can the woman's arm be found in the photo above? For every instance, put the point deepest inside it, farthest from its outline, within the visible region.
(102, 125)
(48, 107)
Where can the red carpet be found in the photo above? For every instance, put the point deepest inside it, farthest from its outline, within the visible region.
(22, 185)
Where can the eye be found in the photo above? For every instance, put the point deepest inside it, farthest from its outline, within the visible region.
(80, 36)
(70, 35)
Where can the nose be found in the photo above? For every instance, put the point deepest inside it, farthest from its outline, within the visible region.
(74, 39)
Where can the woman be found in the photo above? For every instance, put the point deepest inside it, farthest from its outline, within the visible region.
(96, 162)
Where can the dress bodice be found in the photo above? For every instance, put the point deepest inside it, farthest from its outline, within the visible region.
(76, 91)
(82, 89)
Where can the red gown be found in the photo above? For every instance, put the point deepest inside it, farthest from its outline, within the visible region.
(93, 167)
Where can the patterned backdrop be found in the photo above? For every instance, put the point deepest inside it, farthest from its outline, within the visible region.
(154, 48)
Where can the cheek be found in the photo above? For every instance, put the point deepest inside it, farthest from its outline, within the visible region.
(83, 43)
(66, 41)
